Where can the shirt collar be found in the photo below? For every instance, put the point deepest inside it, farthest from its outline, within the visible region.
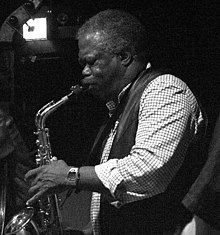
(111, 105)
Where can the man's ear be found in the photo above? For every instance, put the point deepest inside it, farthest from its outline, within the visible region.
(126, 58)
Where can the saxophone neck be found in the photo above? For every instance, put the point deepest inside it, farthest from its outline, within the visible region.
(52, 106)
(44, 112)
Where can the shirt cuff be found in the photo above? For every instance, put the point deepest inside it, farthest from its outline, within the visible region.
(109, 174)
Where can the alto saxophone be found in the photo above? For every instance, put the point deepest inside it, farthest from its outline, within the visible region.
(48, 215)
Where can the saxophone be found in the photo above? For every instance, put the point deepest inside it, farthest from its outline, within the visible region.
(48, 215)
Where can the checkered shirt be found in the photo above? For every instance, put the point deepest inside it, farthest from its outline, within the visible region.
(168, 121)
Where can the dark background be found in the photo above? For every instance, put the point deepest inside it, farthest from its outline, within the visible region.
(184, 38)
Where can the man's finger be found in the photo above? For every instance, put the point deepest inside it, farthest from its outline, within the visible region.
(36, 180)
(34, 189)
(36, 197)
(32, 173)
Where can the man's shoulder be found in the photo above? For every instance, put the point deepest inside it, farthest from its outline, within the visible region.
(168, 79)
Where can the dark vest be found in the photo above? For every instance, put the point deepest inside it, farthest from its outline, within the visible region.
(128, 105)
(161, 212)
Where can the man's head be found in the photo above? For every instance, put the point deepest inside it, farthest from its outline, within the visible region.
(111, 51)
(120, 31)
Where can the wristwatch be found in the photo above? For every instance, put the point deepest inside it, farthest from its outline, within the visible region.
(73, 176)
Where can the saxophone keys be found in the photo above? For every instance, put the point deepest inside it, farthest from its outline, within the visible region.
(54, 159)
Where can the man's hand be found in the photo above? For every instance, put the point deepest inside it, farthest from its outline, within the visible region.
(47, 179)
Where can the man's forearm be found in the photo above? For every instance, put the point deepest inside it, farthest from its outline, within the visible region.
(89, 180)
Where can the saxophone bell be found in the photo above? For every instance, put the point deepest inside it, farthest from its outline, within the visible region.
(22, 223)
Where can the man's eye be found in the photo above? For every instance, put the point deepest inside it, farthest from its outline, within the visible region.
(84, 63)
(91, 62)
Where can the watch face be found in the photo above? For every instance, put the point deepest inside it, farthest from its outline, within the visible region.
(73, 175)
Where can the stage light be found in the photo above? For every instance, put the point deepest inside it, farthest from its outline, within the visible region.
(35, 29)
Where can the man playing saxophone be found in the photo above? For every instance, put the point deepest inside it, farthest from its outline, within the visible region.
(141, 165)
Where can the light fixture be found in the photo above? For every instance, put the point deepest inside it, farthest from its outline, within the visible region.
(35, 29)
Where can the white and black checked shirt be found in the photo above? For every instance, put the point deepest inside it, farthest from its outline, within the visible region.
(169, 119)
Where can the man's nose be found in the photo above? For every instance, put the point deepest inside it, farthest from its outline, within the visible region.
(86, 71)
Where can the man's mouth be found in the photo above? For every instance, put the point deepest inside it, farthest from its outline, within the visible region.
(89, 85)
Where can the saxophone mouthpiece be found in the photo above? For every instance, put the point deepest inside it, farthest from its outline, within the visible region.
(77, 89)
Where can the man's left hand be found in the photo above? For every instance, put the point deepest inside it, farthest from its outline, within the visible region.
(47, 179)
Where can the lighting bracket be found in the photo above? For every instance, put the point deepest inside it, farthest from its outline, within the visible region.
(17, 18)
